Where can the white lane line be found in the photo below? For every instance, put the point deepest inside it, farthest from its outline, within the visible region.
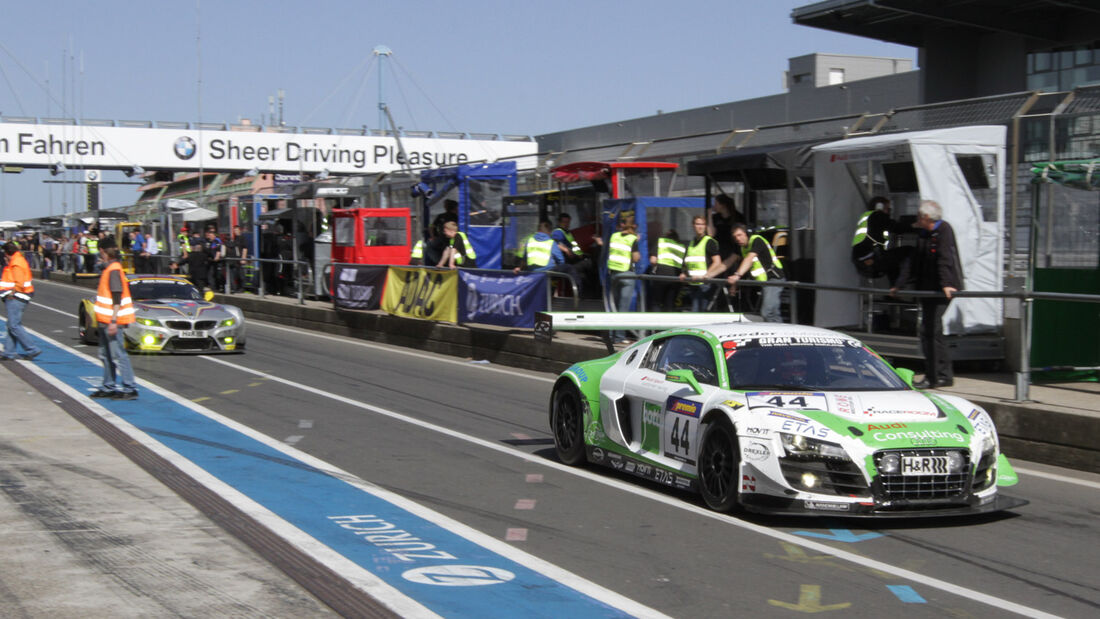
(525, 504)
(293, 440)
(541, 566)
(53, 309)
(515, 535)
(1057, 477)
(670, 501)
(534, 478)
(792, 539)
(488, 367)
(355, 574)
(305, 424)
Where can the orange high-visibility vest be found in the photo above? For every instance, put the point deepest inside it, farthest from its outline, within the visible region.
(17, 278)
(104, 303)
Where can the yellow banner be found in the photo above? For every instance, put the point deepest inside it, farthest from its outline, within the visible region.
(420, 293)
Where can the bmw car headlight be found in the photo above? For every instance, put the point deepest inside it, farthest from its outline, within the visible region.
(798, 445)
(228, 322)
(148, 322)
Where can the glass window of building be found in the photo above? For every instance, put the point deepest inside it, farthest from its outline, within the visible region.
(1064, 68)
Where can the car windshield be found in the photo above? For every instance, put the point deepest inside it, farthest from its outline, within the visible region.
(807, 363)
(163, 289)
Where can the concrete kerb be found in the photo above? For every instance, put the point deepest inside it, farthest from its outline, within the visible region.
(1028, 430)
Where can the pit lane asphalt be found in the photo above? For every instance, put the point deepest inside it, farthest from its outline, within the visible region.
(655, 546)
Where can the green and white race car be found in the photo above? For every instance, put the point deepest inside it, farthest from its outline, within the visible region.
(780, 419)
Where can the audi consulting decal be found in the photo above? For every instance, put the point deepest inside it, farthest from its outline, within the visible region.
(924, 437)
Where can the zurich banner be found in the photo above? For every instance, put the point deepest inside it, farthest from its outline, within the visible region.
(358, 287)
(504, 300)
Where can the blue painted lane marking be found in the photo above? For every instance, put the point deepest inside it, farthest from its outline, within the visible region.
(442, 570)
(906, 594)
(840, 535)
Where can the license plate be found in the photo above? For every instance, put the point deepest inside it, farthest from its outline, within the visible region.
(924, 465)
(196, 334)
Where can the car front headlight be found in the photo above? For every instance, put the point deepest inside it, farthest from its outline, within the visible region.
(798, 445)
(148, 322)
(989, 445)
(228, 322)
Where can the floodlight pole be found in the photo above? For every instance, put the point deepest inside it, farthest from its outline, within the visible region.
(382, 52)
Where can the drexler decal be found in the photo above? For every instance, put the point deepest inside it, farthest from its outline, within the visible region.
(756, 451)
(682, 407)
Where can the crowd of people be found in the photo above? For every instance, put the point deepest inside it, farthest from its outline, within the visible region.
(700, 274)
(722, 248)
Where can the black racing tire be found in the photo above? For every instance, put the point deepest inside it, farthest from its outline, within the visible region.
(719, 466)
(567, 423)
(82, 327)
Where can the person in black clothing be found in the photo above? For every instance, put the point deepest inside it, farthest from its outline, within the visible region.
(450, 213)
(215, 251)
(721, 219)
(284, 281)
(235, 252)
(934, 266)
(873, 252)
(196, 261)
(437, 249)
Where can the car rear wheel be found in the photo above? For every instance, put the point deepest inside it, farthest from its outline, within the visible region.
(719, 462)
(567, 423)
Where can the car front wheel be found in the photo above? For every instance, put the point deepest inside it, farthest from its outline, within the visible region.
(719, 463)
(82, 327)
(567, 423)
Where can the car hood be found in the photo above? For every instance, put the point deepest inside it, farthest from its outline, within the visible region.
(175, 307)
(883, 407)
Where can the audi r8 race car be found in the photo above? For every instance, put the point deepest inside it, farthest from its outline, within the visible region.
(172, 316)
(781, 419)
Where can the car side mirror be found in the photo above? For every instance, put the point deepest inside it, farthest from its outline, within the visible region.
(906, 375)
(684, 377)
(208, 295)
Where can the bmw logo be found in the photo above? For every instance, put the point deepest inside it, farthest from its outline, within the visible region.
(184, 147)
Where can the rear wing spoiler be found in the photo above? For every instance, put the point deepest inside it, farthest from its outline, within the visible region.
(547, 322)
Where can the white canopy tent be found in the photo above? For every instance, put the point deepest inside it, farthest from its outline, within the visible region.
(845, 175)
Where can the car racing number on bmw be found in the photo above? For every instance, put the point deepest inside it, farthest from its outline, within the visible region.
(681, 428)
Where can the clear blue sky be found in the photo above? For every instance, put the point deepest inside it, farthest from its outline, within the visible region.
(492, 66)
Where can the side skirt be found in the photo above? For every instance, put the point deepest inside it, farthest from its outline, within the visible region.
(640, 468)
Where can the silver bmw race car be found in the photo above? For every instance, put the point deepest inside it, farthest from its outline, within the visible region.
(780, 419)
(172, 316)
